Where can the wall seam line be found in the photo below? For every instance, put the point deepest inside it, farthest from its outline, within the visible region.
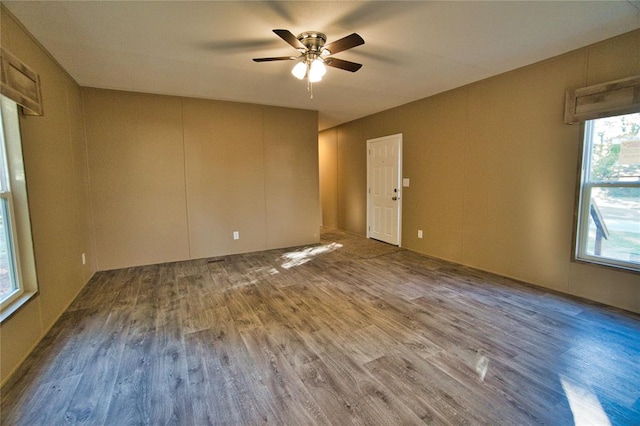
(184, 171)
(91, 208)
(267, 245)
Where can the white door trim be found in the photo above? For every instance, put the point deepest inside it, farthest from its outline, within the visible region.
(399, 183)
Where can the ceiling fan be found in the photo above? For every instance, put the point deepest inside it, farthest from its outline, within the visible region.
(315, 54)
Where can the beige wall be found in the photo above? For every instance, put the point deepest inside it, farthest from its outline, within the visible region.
(493, 172)
(292, 198)
(172, 178)
(136, 168)
(55, 160)
(328, 158)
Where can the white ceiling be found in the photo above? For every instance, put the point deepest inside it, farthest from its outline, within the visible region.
(412, 50)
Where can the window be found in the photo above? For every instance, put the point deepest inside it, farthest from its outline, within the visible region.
(10, 283)
(17, 265)
(609, 207)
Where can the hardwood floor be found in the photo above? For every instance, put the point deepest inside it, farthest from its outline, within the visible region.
(351, 331)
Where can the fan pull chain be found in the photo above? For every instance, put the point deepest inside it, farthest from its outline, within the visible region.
(310, 88)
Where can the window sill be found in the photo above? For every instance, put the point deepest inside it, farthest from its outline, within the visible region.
(606, 265)
(16, 305)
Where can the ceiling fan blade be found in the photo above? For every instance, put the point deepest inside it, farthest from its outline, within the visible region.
(342, 64)
(287, 36)
(344, 43)
(277, 58)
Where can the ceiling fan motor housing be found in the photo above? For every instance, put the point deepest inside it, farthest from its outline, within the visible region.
(313, 41)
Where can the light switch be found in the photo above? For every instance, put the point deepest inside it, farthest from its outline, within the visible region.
(405, 182)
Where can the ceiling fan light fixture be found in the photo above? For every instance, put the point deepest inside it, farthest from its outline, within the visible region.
(317, 70)
(299, 71)
(315, 78)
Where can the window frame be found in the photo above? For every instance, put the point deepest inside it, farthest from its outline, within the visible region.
(584, 189)
(9, 228)
(13, 190)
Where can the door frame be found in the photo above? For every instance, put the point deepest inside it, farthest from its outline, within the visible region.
(399, 183)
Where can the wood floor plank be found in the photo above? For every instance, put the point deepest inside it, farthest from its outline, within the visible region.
(242, 313)
(53, 397)
(90, 401)
(236, 368)
(350, 331)
(211, 402)
(396, 320)
(292, 402)
(169, 378)
(428, 408)
(375, 403)
(330, 393)
(131, 400)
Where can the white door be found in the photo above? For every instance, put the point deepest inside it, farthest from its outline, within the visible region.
(384, 201)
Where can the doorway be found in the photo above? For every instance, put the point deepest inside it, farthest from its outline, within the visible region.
(384, 189)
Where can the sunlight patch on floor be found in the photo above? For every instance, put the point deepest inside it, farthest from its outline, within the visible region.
(300, 257)
(482, 366)
(584, 404)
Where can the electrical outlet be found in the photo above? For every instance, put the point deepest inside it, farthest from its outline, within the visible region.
(419, 233)
(84, 259)
(236, 235)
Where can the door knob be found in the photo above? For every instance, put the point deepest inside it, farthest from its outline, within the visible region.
(394, 198)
